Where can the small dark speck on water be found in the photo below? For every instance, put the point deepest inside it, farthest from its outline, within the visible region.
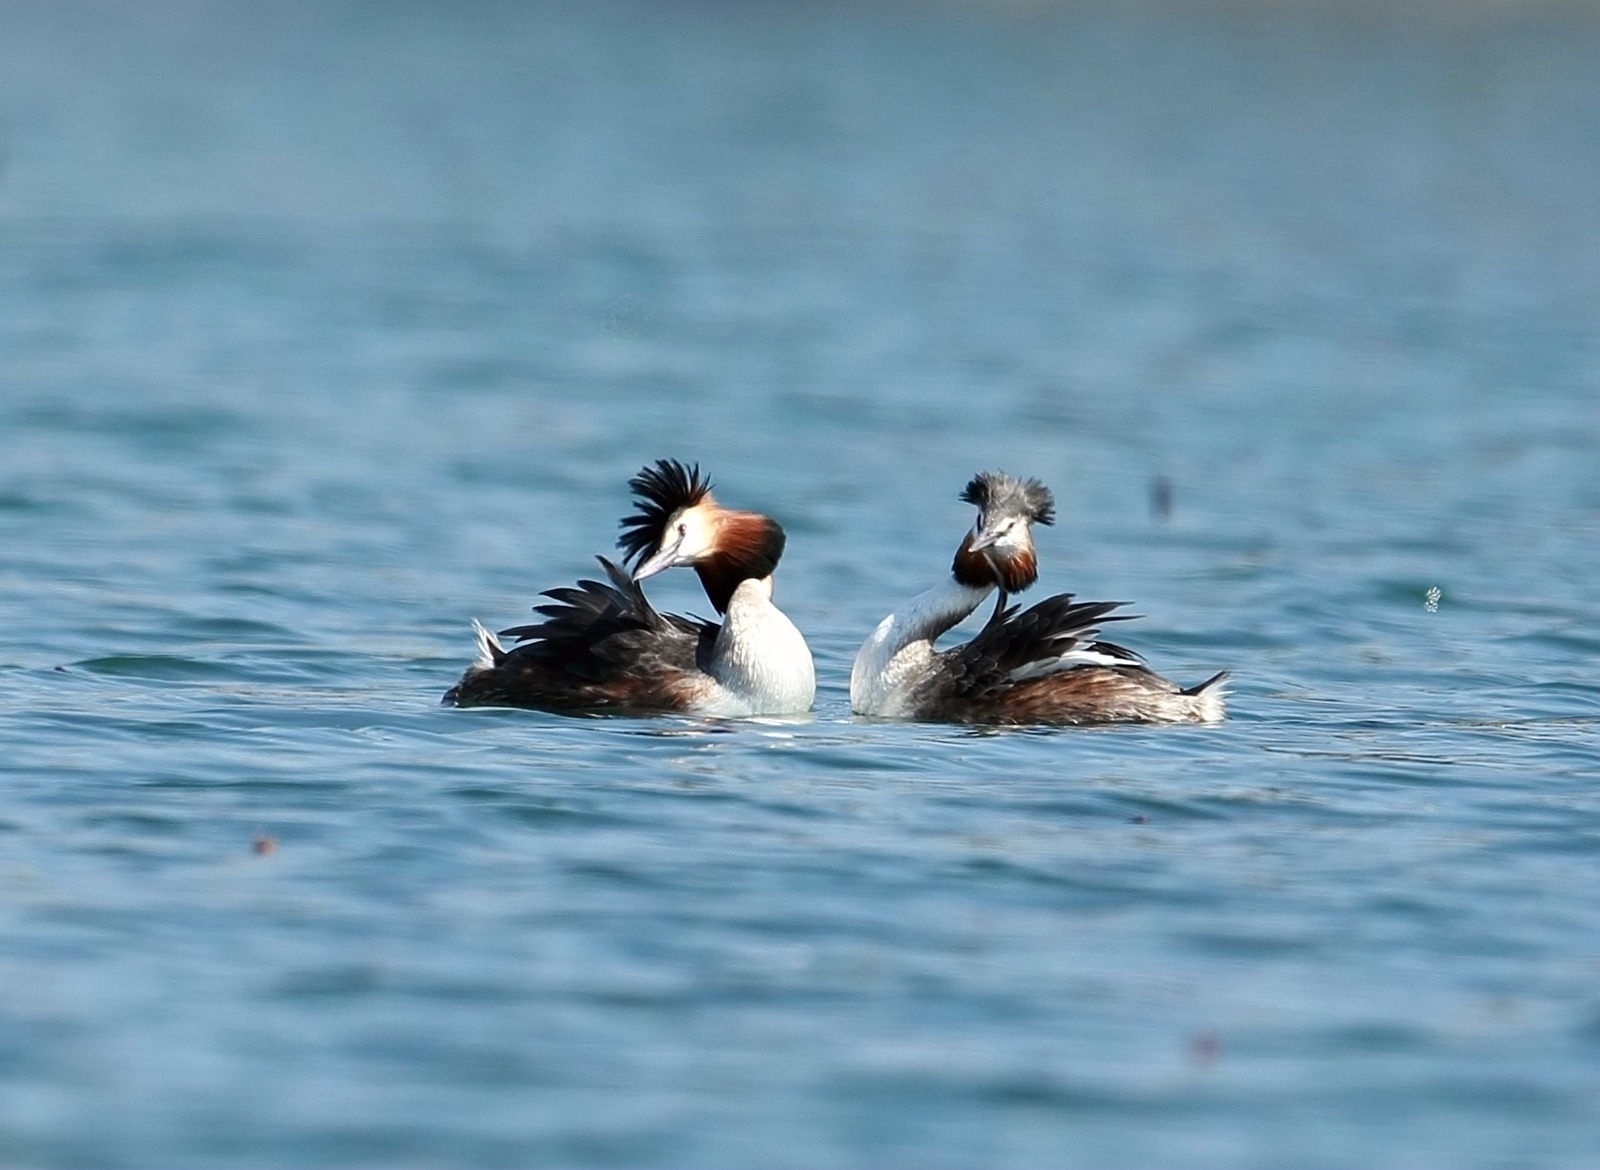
(262, 844)
(1205, 1047)
(1139, 819)
(1161, 498)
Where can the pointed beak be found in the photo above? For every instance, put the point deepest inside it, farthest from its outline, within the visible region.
(666, 556)
(983, 538)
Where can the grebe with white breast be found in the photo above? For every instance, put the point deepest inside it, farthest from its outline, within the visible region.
(1040, 665)
(602, 647)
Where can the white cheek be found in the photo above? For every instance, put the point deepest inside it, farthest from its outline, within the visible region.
(696, 540)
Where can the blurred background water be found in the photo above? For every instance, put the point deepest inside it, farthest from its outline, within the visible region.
(326, 327)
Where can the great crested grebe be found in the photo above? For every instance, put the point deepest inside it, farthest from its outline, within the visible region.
(1040, 665)
(604, 648)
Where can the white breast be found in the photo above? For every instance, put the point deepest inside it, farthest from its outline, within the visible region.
(761, 662)
(886, 669)
(898, 656)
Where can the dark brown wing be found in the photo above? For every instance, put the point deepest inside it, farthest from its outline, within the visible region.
(1027, 666)
(601, 647)
(1084, 695)
(1044, 665)
(1045, 637)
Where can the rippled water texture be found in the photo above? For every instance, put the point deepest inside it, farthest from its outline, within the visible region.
(325, 328)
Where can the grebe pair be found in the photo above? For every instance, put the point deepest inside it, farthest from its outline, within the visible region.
(603, 647)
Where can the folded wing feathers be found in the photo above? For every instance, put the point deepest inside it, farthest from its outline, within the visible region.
(593, 628)
(591, 610)
(1052, 636)
(601, 646)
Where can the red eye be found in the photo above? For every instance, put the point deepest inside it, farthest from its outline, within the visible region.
(683, 530)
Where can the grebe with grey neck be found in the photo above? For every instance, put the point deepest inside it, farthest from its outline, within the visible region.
(1044, 664)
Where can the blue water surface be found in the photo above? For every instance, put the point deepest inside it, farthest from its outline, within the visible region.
(327, 327)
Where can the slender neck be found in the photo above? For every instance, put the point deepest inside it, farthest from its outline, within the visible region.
(898, 656)
(751, 591)
(930, 614)
(720, 576)
(760, 658)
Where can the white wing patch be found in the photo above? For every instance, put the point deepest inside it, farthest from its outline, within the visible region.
(489, 649)
(1077, 656)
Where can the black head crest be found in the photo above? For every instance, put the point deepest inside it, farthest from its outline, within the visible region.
(661, 490)
(995, 492)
